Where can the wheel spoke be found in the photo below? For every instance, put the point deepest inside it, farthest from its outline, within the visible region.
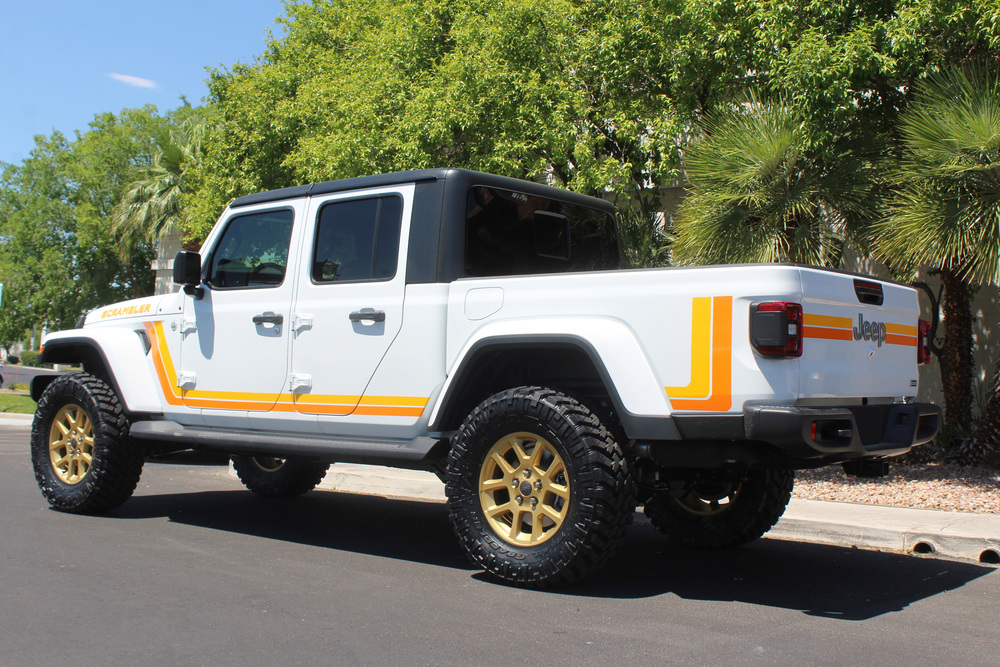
(507, 468)
(537, 527)
(556, 515)
(515, 525)
(491, 485)
(517, 444)
(495, 511)
(556, 467)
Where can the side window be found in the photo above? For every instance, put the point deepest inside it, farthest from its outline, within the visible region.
(512, 233)
(253, 251)
(357, 239)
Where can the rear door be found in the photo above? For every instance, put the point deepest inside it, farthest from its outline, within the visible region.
(349, 303)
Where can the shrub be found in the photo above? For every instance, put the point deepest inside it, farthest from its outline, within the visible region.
(29, 358)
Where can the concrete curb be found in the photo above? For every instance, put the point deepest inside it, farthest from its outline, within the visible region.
(15, 419)
(958, 535)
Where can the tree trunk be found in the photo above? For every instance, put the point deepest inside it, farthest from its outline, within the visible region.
(956, 357)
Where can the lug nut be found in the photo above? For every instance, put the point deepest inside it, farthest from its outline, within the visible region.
(519, 500)
(516, 483)
(533, 501)
(527, 474)
(538, 485)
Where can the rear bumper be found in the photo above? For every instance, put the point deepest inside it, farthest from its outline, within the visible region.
(843, 432)
(795, 437)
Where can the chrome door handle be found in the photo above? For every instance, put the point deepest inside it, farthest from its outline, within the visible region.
(368, 314)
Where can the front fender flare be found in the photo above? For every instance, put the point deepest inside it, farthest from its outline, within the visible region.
(122, 352)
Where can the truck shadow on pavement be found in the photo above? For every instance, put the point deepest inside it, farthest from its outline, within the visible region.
(818, 580)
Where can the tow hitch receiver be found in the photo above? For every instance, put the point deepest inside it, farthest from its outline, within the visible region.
(866, 468)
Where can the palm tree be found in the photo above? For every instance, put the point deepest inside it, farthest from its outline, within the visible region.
(946, 215)
(758, 195)
(153, 205)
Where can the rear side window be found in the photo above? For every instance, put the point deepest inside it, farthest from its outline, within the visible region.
(512, 233)
(357, 240)
(253, 251)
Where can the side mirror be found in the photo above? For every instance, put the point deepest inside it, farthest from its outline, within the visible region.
(187, 272)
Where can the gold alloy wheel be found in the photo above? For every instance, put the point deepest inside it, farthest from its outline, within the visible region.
(71, 444)
(523, 489)
(711, 499)
(268, 463)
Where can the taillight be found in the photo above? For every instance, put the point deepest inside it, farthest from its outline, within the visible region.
(776, 328)
(924, 342)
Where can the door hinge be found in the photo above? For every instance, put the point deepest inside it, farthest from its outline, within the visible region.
(187, 326)
(297, 382)
(186, 380)
(301, 321)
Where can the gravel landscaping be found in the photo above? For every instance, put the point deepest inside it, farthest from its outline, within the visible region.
(928, 486)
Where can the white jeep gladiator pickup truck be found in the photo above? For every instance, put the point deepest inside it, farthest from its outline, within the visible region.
(481, 327)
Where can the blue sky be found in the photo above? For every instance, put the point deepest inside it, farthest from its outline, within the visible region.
(63, 61)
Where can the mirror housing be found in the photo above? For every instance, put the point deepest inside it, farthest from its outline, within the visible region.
(187, 272)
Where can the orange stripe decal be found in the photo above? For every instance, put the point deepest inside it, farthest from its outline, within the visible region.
(710, 388)
(314, 404)
(829, 327)
(828, 334)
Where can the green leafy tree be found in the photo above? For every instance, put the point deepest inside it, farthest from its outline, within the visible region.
(946, 215)
(366, 86)
(59, 254)
(758, 195)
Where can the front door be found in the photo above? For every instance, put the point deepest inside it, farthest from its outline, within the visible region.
(234, 349)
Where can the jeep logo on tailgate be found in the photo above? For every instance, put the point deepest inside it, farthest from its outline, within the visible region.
(868, 330)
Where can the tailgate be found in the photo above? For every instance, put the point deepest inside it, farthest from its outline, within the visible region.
(860, 337)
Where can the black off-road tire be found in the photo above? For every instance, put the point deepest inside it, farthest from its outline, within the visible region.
(698, 519)
(278, 478)
(85, 463)
(575, 470)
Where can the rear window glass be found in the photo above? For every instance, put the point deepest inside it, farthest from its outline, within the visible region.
(512, 233)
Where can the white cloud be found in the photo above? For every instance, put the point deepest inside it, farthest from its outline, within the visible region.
(136, 81)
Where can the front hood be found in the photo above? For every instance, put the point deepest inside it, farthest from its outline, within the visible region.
(124, 310)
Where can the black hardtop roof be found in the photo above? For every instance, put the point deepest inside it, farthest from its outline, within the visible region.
(464, 178)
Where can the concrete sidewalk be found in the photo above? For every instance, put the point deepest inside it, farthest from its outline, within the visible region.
(961, 535)
(15, 419)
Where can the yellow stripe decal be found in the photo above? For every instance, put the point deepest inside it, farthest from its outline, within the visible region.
(333, 404)
(710, 388)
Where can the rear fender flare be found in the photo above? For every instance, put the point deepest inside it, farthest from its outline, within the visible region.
(612, 347)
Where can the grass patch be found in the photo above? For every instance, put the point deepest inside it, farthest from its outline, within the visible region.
(18, 403)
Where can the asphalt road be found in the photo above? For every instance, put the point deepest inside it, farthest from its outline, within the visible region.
(13, 374)
(196, 570)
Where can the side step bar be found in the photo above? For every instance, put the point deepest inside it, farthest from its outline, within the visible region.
(418, 454)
